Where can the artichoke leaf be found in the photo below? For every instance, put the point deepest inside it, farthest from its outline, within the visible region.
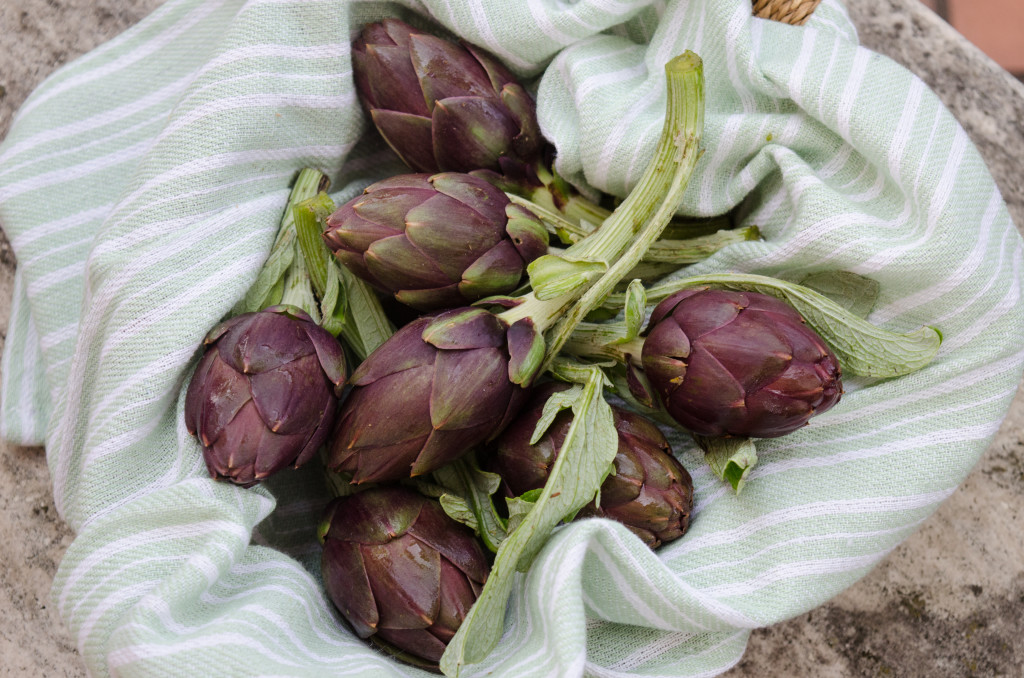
(562, 400)
(635, 312)
(366, 326)
(731, 459)
(332, 307)
(458, 509)
(349, 307)
(468, 499)
(854, 292)
(590, 446)
(269, 286)
(519, 507)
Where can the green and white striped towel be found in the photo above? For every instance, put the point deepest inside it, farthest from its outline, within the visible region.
(141, 185)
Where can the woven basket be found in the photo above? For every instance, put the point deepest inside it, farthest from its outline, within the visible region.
(794, 12)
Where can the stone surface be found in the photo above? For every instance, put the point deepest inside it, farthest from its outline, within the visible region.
(948, 602)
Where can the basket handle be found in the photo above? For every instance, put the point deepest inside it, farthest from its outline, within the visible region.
(794, 12)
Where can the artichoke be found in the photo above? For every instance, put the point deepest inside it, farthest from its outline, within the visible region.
(398, 568)
(738, 364)
(443, 106)
(650, 492)
(436, 241)
(436, 388)
(265, 393)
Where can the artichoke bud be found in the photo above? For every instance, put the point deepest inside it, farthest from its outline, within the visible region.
(438, 387)
(650, 492)
(738, 364)
(399, 569)
(443, 106)
(436, 241)
(265, 393)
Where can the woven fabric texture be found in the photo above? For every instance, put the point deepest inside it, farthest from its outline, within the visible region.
(141, 187)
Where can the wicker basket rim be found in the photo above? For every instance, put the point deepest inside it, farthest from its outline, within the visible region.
(794, 12)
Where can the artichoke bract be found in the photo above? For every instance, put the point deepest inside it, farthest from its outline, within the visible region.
(397, 567)
(436, 388)
(436, 241)
(265, 393)
(650, 492)
(738, 364)
(443, 106)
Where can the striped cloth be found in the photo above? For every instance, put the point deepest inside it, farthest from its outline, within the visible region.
(141, 186)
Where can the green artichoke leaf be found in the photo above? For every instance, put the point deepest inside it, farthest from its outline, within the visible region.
(297, 288)
(591, 442)
(519, 507)
(332, 306)
(567, 231)
(731, 459)
(308, 217)
(610, 471)
(269, 286)
(590, 446)
(552, 276)
(635, 312)
(365, 325)
(348, 305)
(559, 401)
(458, 509)
(862, 348)
(850, 290)
(468, 499)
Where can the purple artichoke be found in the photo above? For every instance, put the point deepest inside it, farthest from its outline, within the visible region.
(436, 241)
(265, 393)
(397, 567)
(738, 364)
(443, 106)
(436, 388)
(651, 493)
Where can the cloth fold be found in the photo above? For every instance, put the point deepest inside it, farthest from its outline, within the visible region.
(172, 148)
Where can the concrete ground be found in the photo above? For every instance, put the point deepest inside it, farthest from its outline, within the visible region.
(948, 602)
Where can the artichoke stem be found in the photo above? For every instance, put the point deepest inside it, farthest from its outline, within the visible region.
(298, 291)
(598, 341)
(631, 230)
(308, 216)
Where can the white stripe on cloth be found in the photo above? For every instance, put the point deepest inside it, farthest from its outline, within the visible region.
(126, 60)
(807, 511)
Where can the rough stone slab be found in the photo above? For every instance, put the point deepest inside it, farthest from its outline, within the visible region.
(948, 602)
